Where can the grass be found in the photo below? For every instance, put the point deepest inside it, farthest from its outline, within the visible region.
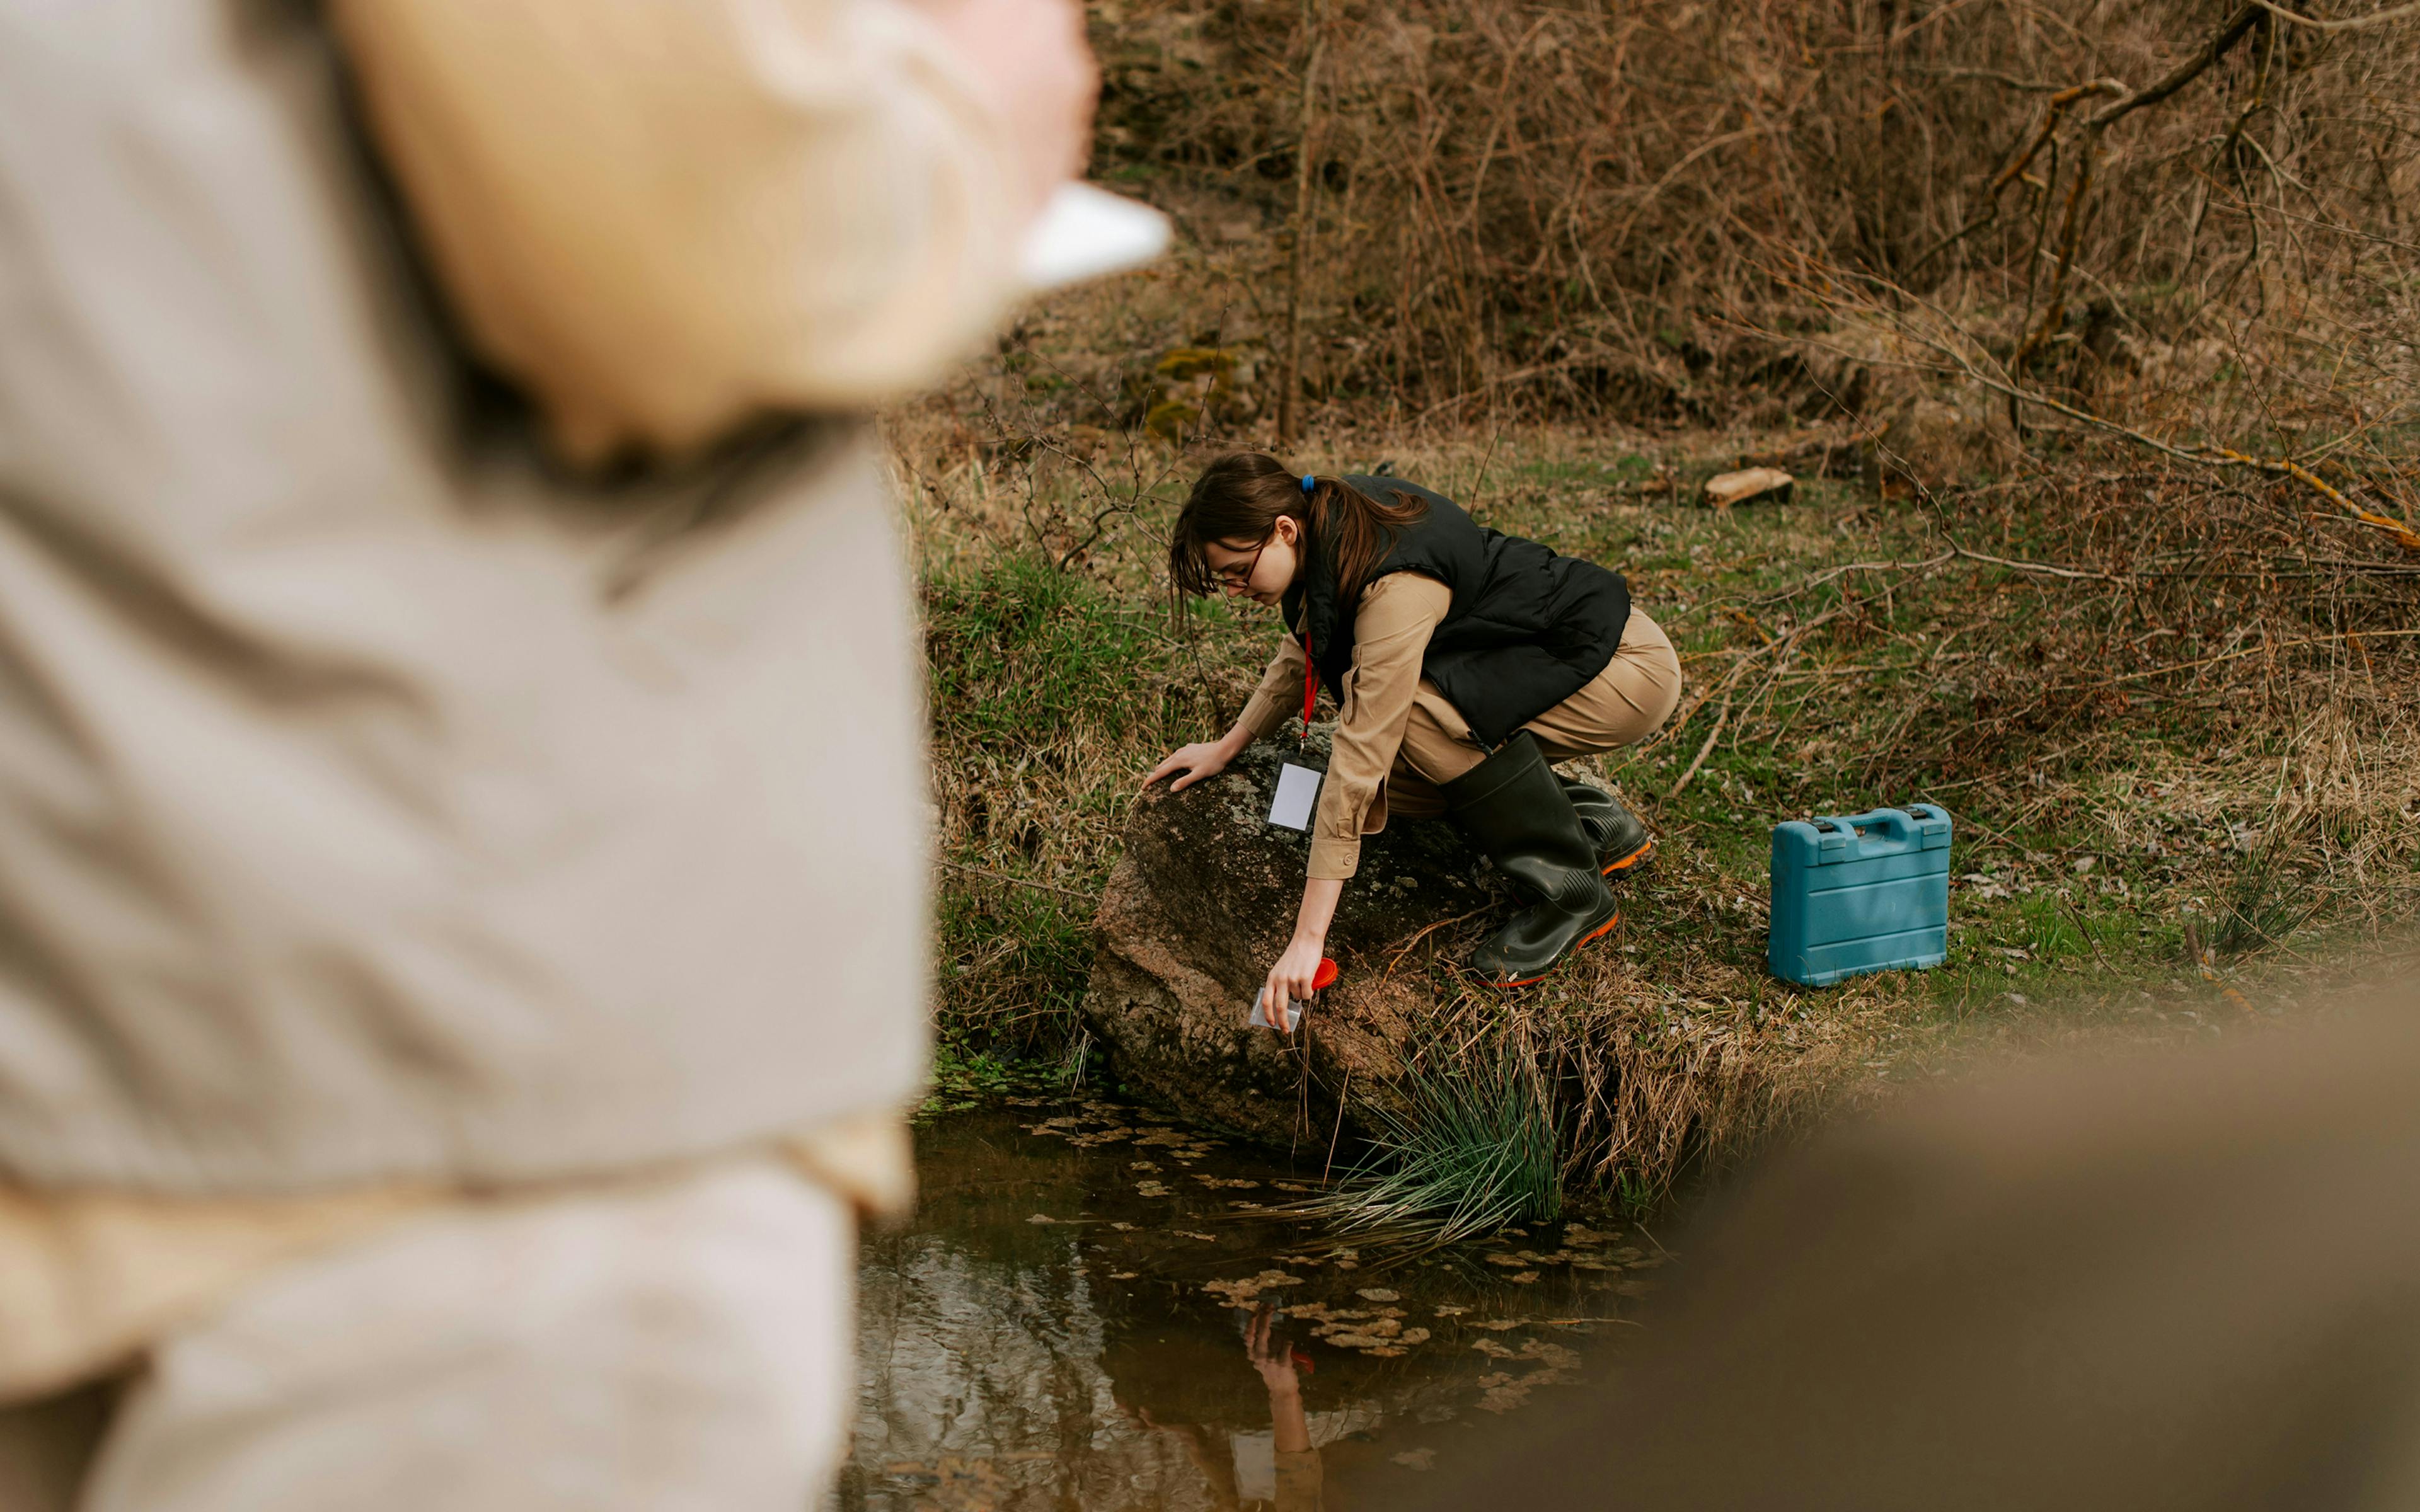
(2096, 819)
(1474, 1149)
(1045, 691)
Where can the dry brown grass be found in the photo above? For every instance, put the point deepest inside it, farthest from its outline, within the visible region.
(1610, 208)
(2101, 533)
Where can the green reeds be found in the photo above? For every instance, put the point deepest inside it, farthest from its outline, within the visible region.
(2267, 898)
(1474, 1149)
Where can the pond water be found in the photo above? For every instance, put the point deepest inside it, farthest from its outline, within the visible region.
(1069, 1323)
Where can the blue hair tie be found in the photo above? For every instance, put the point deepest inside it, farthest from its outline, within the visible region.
(1307, 481)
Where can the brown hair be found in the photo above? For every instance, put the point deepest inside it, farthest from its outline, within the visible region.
(1241, 497)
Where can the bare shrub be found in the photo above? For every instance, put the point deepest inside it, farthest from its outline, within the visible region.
(1608, 208)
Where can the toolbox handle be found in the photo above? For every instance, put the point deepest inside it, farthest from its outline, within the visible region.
(1850, 833)
(1892, 822)
(1880, 831)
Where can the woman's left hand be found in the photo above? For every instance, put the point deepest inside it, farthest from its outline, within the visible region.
(1290, 978)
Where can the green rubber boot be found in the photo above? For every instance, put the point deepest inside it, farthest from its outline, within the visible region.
(1513, 809)
(1620, 835)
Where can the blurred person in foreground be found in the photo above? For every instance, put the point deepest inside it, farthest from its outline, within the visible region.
(462, 855)
(2165, 1283)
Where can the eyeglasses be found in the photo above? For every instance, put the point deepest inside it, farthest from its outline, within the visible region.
(1240, 577)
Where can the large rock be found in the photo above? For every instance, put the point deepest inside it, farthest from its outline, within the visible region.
(1199, 910)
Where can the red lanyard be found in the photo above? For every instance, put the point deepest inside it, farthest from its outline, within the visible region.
(1309, 684)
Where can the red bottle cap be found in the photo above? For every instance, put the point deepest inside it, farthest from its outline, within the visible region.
(1325, 976)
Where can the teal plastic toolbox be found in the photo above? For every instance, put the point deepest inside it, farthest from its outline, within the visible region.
(1869, 892)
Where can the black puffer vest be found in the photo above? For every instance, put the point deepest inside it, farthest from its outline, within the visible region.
(1526, 630)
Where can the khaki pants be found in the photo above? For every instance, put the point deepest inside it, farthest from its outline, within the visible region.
(679, 1344)
(1622, 705)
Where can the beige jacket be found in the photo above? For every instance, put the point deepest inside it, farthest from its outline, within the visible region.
(1391, 627)
(378, 803)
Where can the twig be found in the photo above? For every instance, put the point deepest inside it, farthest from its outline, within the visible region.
(1018, 881)
(2345, 23)
(1819, 579)
(1338, 1132)
(2046, 568)
(2220, 42)
(2031, 87)
(1485, 463)
(1721, 718)
(2354, 636)
(1424, 933)
(1290, 380)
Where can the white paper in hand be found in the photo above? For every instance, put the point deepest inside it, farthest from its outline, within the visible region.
(1297, 790)
(1086, 232)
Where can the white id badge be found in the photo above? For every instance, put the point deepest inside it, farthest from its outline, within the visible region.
(1297, 790)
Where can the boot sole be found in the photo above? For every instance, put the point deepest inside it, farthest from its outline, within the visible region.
(1640, 856)
(1604, 929)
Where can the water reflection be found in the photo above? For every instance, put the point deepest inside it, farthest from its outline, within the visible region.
(1088, 1313)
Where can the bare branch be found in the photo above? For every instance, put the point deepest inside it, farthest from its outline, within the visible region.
(2347, 23)
(2186, 72)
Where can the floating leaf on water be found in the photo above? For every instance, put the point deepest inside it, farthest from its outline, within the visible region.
(1449, 1309)
(1123, 1227)
(1523, 1277)
(1583, 1234)
(1042, 1218)
(1122, 1276)
(1413, 1335)
(1378, 1294)
(1245, 1292)
(1149, 1189)
(1142, 1165)
(1417, 1460)
(1188, 1233)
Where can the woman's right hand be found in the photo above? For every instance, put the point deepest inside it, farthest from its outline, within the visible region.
(1203, 758)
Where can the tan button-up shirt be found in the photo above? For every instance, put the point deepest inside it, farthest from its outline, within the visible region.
(1390, 635)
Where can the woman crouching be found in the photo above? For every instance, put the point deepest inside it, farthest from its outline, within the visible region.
(1462, 661)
